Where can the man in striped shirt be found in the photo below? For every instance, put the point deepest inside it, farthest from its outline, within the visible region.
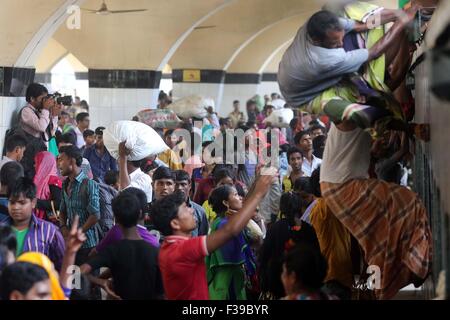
(80, 197)
(32, 234)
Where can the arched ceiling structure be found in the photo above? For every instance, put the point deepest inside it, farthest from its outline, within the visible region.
(239, 36)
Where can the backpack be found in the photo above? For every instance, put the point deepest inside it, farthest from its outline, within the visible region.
(107, 194)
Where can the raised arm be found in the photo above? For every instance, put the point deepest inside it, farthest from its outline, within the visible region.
(378, 19)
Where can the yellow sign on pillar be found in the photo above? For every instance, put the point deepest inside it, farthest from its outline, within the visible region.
(191, 76)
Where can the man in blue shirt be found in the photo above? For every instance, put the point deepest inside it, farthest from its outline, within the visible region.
(99, 157)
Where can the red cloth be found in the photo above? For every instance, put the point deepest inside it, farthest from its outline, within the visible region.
(183, 269)
(204, 188)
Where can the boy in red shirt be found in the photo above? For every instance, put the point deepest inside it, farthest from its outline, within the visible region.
(181, 257)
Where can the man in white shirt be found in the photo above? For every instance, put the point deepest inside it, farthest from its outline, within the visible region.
(303, 141)
(131, 175)
(82, 124)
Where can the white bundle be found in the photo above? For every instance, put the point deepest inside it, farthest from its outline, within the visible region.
(278, 104)
(141, 139)
(280, 118)
(192, 107)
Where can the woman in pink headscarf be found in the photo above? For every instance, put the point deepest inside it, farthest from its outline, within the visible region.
(48, 186)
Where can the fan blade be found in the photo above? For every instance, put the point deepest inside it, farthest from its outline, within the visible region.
(127, 11)
(204, 27)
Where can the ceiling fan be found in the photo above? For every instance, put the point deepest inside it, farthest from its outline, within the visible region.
(204, 27)
(103, 11)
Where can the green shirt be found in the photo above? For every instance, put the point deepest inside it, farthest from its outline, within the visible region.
(20, 236)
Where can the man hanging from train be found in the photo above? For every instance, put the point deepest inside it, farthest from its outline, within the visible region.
(350, 78)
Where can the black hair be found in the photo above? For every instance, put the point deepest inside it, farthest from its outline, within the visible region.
(163, 173)
(293, 150)
(315, 183)
(81, 116)
(217, 197)
(290, 206)
(72, 152)
(316, 126)
(221, 174)
(20, 276)
(4, 253)
(99, 131)
(168, 133)
(308, 264)
(8, 238)
(319, 145)
(136, 163)
(64, 113)
(164, 210)
(141, 196)
(88, 133)
(181, 175)
(298, 137)
(68, 137)
(83, 103)
(322, 22)
(126, 209)
(34, 90)
(10, 173)
(23, 186)
(235, 101)
(293, 123)
(14, 141)
(303, 184)
(224, 121)
(111, 177)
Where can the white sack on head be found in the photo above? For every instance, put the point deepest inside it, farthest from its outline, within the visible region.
(280, 118)
(192, 107)
(142, 140)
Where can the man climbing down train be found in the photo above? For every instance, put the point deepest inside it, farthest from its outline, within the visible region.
(353, 88)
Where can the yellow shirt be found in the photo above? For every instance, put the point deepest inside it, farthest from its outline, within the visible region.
(171, 159)
(210, 214)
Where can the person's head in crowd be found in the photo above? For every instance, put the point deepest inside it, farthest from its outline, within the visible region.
(236, 106)
(163, 182)
(225, 199)
(22, 201)
(269, 109)
(36, 94)
(223, 176)
(319, 146)
(183, 183)
(9, 174)
(172, 216)
(170, 138)
(127, 210)
(77, 101)
(325, 30)
(315, 183)
(63, 119)
(251, 106)
(290, 207)
(304, 270)
(316, 130)
(84, 105)
(24, 281)
(303, 141)
(15, 147)
(267, 99)
(112, 179)
(69, 160)
(296, 125)
(304, 188)
(99, 144)
(295, 159)
(187, 125)
(142, 201)
(225, 124)
(274, 96)
(67, 139)
(89, 137)
(306, 119)
(8, 246)
(252, 125)
(83, 121)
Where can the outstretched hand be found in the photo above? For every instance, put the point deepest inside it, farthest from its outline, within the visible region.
(75, 238)
(123, 150)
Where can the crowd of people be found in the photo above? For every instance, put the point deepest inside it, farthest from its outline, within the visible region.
(205, 226)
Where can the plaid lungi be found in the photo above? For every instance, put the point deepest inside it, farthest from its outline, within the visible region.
(390, 224)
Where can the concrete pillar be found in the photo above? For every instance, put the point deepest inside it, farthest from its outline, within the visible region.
(238, 86)
(120, 94)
